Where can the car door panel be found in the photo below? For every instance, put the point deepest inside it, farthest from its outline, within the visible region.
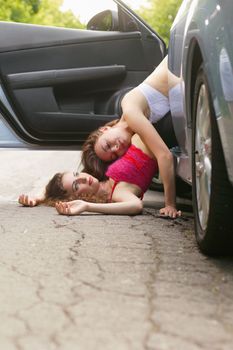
(64, 103)
(64, 83)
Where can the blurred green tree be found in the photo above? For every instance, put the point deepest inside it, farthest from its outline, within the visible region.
(45, 12)
(160, 14)
(15, 10)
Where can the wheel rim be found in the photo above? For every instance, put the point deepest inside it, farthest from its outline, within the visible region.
(203, 152)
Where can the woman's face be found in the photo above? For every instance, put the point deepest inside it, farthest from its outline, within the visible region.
(112, 144)
(80, 184)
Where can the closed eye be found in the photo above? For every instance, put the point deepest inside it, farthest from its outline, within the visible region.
(75, 186)
(106, 147)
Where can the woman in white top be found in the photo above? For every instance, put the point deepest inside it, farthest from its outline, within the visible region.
(142, 106)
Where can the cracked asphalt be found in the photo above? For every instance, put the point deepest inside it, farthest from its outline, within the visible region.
(101, 281)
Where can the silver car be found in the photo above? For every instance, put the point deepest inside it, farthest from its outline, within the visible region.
(201, 96)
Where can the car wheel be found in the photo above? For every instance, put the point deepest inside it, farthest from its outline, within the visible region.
(212, 191)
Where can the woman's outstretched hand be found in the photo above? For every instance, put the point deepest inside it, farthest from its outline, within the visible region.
(74, 207)
(28, 201)
(170, 212)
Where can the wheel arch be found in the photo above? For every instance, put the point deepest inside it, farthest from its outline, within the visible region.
(195, 59)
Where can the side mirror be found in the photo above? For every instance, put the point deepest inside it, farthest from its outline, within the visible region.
(106, 21)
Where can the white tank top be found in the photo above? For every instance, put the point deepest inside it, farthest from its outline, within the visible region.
(157, 102)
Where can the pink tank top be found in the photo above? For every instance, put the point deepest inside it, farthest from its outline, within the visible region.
(133, 167)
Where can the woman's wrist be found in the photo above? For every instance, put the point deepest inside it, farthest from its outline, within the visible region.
(88, 206)
(173, 205)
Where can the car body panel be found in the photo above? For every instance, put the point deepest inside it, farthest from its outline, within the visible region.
(202, 33)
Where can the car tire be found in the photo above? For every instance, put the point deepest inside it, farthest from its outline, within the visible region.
(212, 191)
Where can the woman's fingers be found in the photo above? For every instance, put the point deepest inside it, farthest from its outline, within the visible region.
(59, 208)
(170, 212)
(179, 213)
(26, 200)
(21, 199)
(63, 208)
(75, 207)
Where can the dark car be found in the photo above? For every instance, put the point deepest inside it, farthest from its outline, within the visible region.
(201, 98)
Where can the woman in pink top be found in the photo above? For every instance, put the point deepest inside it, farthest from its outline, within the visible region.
(128, 179)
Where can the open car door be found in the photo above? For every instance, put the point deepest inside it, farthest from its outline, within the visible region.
(59, 84)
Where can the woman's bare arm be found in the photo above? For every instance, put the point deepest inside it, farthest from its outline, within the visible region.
(125, 203)
(133, 105)
(77, 207)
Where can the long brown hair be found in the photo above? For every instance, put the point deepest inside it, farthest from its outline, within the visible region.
(91, 162)
(54, 192)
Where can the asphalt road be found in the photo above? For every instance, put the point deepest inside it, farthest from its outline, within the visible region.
(103, 282)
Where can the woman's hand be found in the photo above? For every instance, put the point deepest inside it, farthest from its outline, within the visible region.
(170, 212)
(75, 207)
(28, 201)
